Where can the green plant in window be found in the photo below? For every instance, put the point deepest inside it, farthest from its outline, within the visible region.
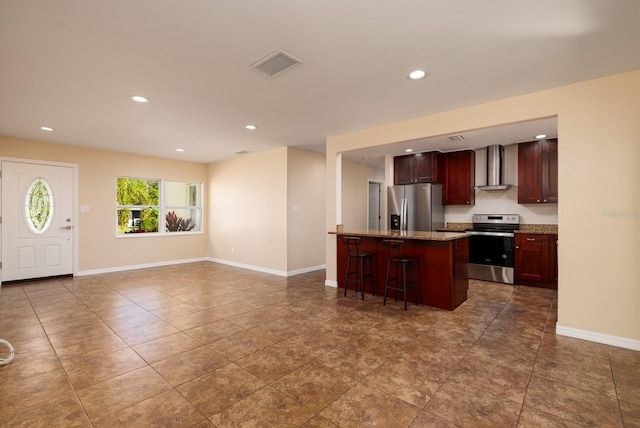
(178, 224)
(138, 192)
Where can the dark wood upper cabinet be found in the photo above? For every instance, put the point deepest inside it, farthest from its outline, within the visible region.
(417, 168)
(538, 172)
(403, 169)
(428, 167)
(459, 178)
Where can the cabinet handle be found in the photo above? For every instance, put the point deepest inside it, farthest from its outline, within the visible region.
(545, 200)
(467, 202)
(531, 239)
(537, 200)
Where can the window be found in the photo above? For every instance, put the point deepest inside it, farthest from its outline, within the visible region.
(182, 206)
(142, 203)
(38, 206)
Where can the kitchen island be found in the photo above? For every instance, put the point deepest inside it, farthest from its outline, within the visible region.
(442, 263)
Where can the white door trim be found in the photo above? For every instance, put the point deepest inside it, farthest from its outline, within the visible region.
(74, 193)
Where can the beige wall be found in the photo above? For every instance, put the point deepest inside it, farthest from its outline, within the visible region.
(248, 210)
(355, 192)
(98, 247)
(599, 154)
(306, 190)
(247, 219)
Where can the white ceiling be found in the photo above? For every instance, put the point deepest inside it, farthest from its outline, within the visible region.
(73, 64)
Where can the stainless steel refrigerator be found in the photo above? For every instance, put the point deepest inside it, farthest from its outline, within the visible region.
(415, 207)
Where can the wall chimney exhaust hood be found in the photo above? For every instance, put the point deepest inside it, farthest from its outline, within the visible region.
(495, 169)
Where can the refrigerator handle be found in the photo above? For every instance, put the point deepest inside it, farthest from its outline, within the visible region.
(405, 210)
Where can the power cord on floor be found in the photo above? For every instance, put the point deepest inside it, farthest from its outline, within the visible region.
(7, 360)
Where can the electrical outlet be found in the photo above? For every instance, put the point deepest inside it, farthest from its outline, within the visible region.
(233, 250)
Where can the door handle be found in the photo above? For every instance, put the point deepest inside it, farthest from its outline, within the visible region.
(66, 227)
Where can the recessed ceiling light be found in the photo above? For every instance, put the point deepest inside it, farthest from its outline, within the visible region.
(139, 99)
(408, 150)
(417, 75)
(180, 150)
(46, 128)
(251, 127)
(541, 136)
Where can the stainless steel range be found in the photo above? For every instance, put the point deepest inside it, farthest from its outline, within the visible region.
(491, 247)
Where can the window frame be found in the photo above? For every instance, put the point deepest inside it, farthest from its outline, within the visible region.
(163, 209)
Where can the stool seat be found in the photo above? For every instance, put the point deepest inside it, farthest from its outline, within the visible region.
(399, 265)
(362, 260)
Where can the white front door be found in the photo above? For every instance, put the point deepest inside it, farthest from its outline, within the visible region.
(37, 220)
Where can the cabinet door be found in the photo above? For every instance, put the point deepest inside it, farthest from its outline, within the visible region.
(532, 257)
(538, 172)
(530, 173)
(403, 169)
(553, 257)
(459, 178)
(550, 171)
(427, 167)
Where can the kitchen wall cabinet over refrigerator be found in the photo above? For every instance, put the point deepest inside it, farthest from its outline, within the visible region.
(459, 178)
(538, 172)
(417, 168)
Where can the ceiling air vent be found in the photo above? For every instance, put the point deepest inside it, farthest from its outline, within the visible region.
(275, 63)
(456, 137)
(242, 152)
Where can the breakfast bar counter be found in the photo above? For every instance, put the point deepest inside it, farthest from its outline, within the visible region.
(442, 263)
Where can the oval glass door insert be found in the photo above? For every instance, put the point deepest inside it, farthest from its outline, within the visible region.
(38, 206)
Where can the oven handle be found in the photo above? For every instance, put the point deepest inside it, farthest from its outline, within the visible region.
(500, 234)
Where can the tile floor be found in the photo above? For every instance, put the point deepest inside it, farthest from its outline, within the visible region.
(203, 345)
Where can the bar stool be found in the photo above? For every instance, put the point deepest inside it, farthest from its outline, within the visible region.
(358, 275)
(394, 257)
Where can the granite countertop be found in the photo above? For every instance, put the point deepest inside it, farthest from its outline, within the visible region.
(394, 234)
(548, 229)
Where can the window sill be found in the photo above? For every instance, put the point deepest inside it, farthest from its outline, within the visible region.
(156, 234)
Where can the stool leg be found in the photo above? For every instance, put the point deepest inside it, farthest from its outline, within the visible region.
(361, 276)
(346, 278)
(373, 284)
(397, 283)
(386, 284)
(404, 283)
(415, 284)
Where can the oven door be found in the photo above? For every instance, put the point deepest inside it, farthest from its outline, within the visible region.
(491, 248)
(491, 256)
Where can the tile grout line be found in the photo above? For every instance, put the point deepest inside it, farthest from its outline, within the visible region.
(64, 369)
(526, 390)
(615, 385)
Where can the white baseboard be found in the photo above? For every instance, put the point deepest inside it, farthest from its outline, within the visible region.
(141, 266)
(267, 270)
(203, 259)
(306, 270)
(621, 342)
(329, 283)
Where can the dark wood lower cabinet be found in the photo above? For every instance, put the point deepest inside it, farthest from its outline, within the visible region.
(536, 260)
(442, 269)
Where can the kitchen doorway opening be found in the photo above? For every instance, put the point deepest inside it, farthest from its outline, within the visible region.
(374, 218)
